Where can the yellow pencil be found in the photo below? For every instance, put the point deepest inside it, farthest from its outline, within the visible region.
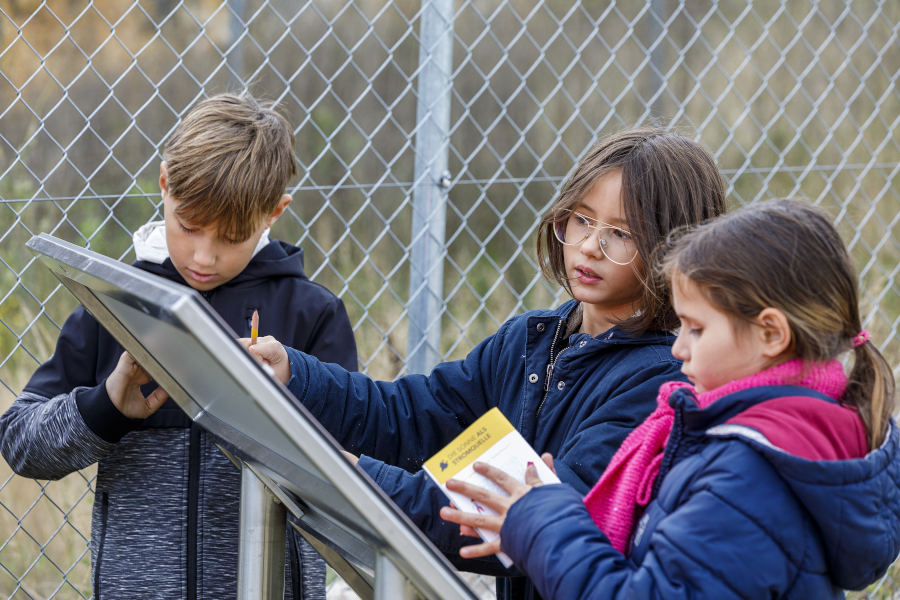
(254, 327)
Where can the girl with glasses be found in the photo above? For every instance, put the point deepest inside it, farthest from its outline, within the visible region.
(775, 474)
(575, 379)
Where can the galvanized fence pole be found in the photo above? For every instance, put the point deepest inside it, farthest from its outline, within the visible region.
(234, 59)
(431, 185)
(656, 44)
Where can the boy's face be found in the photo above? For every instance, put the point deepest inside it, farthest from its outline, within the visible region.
(201, 255)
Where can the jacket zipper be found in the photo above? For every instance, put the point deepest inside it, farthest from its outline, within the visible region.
(193, 501)
(295, 582)
(193, 495)
(104, 514)
(550, 366)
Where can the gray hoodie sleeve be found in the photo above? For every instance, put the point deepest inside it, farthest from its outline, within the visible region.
(64, 421)
(47, 438)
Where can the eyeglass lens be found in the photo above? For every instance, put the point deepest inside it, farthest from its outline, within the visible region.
(615, 243)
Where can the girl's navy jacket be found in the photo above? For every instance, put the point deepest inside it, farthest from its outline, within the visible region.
(575, 396)
(165, 515)
(733, 517)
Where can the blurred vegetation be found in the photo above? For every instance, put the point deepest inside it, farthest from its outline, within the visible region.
(793, 99)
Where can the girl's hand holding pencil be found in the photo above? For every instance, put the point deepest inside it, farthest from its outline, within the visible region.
(271, 353)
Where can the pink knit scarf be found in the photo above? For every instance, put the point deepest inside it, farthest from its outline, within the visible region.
(624, 489)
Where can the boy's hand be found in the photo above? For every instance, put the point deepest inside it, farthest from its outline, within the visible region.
(124, 389)
(269, 351)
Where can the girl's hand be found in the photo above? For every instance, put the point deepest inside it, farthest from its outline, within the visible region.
(354, 459)
(468, 522)
(123, 386)
(269, 351)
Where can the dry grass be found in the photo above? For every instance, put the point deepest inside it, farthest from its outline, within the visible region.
(44, 532)
(885, 589)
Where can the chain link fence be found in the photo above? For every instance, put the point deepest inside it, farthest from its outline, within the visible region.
(431, 136)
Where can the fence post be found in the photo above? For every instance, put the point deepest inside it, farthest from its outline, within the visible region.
(235, 57)
(656, 80)
(431, 182)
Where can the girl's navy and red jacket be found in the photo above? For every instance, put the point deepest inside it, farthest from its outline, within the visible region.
(734, 515)
(572, 395)
(166, 509)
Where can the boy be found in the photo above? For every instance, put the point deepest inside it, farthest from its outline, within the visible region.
(166, 510)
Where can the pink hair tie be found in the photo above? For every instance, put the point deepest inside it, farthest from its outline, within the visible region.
(861, 338)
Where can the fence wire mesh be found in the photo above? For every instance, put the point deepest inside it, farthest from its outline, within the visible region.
(794, 98)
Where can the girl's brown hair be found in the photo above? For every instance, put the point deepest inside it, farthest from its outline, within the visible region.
(786, 254)
(667, 181)
(228, 162)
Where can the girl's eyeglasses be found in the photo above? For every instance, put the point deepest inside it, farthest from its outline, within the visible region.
(574, 228)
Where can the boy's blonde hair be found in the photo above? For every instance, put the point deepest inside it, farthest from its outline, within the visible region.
(228, 162)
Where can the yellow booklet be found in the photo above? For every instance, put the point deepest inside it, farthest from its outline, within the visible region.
(491, 439)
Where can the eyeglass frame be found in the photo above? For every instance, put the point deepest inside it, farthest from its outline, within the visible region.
(589, 221)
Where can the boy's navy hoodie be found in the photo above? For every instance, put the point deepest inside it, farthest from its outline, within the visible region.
(166, 506)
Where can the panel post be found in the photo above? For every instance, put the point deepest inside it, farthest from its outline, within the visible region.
(390, 583)
(261, 551)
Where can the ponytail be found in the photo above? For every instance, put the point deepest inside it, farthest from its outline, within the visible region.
(870, 390)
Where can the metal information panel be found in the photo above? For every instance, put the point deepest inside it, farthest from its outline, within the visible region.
(192, 353)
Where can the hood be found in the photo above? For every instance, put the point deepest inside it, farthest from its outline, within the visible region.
(271, 258)
(150, 242)
(855, 502)
(856, 505)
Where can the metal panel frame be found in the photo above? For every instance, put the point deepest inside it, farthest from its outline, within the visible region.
(266, 424)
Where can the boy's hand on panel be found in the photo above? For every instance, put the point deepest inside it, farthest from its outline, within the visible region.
(269, 351)
(468, 522)
(124, 389)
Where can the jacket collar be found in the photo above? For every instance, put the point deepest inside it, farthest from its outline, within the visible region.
(614, 335)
